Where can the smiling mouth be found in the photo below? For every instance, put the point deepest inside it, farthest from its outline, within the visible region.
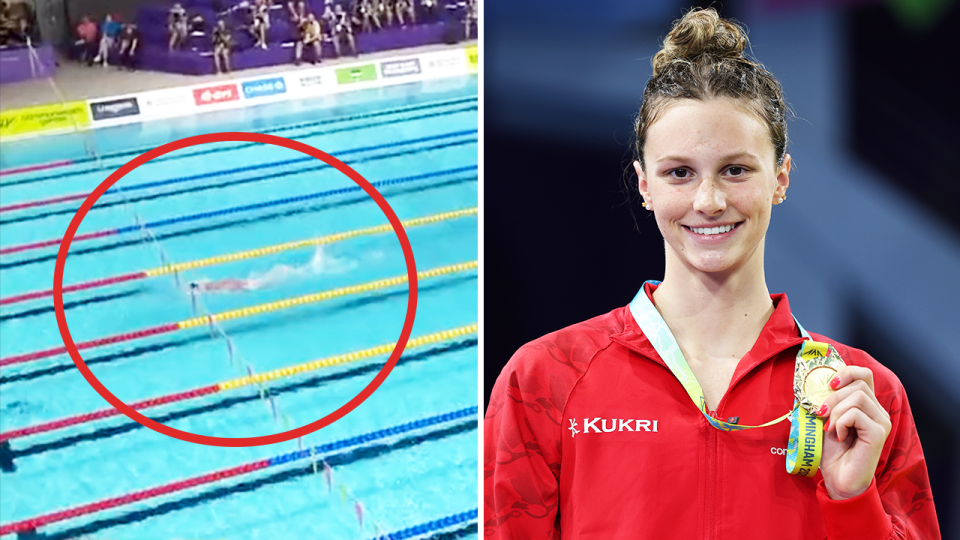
(711, 231)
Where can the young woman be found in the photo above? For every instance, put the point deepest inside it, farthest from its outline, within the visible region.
(109, 31)
(703, 409)
(129, 44)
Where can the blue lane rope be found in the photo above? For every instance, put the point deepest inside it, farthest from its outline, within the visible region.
(319, 451)
(295, 199)
(431, 526)
(347, 118)
(285, 162)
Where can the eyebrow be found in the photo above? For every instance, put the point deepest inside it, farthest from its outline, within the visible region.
(729, 157)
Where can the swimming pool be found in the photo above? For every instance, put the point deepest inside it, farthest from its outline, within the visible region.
(407, 456)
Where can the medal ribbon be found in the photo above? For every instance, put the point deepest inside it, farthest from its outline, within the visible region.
(663, 341)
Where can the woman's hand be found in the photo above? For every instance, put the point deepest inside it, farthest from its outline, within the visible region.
(856, 428)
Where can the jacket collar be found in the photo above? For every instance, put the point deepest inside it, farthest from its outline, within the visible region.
(779, 333)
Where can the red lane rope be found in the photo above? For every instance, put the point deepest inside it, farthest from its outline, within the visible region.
(32, 168)
(56, 241)
(44, 202)
(129, 498)
(107, 413)
(75, 287)
(37, 355)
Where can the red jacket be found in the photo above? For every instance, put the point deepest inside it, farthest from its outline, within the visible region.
(589, 435)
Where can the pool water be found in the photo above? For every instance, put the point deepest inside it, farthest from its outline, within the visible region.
(419, 142)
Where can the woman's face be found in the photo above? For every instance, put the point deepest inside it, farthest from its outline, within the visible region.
(711, 180)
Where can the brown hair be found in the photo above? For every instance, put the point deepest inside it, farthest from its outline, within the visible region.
(702, 58)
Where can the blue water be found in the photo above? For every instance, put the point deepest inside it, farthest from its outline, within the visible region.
(397, 132)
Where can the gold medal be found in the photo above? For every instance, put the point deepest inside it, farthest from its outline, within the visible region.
(817, 365)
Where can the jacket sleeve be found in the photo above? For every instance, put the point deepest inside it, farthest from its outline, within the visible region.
(521, 452)
(898, 504)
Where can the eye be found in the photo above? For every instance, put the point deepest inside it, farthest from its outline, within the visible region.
(736, 171)
(679, 173)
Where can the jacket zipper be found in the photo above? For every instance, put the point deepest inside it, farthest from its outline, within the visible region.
(710, 515)
(709, 525)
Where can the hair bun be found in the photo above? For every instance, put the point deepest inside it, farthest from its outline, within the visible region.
(700, 32)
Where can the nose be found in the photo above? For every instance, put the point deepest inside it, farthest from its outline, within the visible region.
(709, 198)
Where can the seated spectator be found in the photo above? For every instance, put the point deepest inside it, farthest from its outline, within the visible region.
(109, 30)
(430, 7)
(259, 17)
(310, 34)
(129, 44)
(8, 24)
(366, 11)
(16, 26)
(177, 26)
(343, 30)
(87, 42)
(328, 16)
(405, 12)
(471, 17)
(222, 43)
(298, 11)
(385, 11)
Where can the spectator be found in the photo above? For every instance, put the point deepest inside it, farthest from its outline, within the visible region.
(343, 30)
(329, 17)
(259, 13)
(367, 13)
(405, 12)
(177, 26)
(385, 12)
(430, 8)
(222, 43)
(298, 11)
(15, 23)
(471, 17)
(310, 34)
(87, 42)
(129, 44)
(109, 30)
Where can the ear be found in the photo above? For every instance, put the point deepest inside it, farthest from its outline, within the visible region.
(642, 182)
(783, 179)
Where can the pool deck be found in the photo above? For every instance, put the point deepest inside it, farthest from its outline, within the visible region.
(74, 81)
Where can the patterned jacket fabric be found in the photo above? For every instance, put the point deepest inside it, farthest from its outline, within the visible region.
(589, 435)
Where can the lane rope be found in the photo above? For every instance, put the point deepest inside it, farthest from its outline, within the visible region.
(234, 210)
(234, 384)
(430, 527)
(239, 256)
(242, 312)
(322, 451)
(292, 127)
(227, 172)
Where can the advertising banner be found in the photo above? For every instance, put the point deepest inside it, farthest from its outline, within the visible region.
(399, 68)
(355, 74)
(114, 108)
(264, 87)
(473, 61)
(210, 95)
(69, 115)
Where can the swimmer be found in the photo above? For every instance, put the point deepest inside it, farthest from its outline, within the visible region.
(228, 284)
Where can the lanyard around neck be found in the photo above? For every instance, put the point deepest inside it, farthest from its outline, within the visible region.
(658, 333)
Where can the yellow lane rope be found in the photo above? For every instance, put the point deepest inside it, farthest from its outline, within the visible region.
(329, 239)
(340, 359)
(324, 295)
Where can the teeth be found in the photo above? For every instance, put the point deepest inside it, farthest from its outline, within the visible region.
(712, 230)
